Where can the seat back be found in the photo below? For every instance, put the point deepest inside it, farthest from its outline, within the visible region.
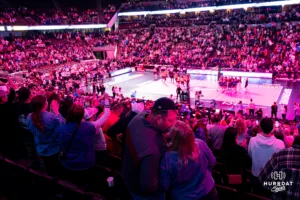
(225, 193)
(114, 163)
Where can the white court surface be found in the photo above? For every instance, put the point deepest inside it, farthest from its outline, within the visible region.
(146, 87)
(155, 89)
(263, 94)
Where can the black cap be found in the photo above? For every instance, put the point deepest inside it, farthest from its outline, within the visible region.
(164, 104)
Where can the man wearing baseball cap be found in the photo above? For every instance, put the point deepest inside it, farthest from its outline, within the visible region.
(144, 148)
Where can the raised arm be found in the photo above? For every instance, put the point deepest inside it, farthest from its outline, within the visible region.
(99, 122)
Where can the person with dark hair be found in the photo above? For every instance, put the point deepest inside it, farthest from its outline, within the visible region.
(240, 107)
(234, 156)
(185, 170)
(286, 161)
(263, 146)
(284, 112)
(113, 91)
(216, 133)
(120, 127)
(259, 113)
(42, 124)
(274, 109)
(10, 143)
(200, 130)
(21, 112)
(50, 97)
(65, 105)
(178, 93)
(79, 139)
(145, 145)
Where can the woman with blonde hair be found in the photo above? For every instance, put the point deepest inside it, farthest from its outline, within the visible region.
(186, 167)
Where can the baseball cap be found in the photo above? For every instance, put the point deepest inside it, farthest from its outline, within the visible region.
(90, 112)
(164, 104)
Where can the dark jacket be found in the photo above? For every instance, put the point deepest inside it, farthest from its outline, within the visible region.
(81, 154)
(235, 159)
(143, 151)
(121, 127)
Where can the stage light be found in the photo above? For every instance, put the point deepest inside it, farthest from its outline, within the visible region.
(134, 13)
(55, 27)
(166, 12)
(226, 7)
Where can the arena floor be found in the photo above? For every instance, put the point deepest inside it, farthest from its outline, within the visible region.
(263, 91)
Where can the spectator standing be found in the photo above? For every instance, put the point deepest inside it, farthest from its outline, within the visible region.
(274, 109)
(42, 124)
(295, 108)
(8, 136)
(242, 135)
(145, 145)
(79, 140)
(283, 112)
(216, 133)
(233, 155)
(21, 111)
(259, 113)
(263, 146)
(288, 162)
(240, 107)
(288, 138)
(186, 167)
(178, 93)
(114, 116)
(200, 130)
(120, 128)
(251, 108)
(297, 113)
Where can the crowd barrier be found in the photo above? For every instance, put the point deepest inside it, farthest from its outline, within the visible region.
(230, 73)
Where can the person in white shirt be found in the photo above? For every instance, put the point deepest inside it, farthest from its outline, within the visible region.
(240, 107)
(251, 108)
(263, 146)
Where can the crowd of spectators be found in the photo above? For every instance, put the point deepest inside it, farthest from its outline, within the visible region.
(70, 16)
(39, 121)
(7, 16)
(52, 16)
(168, 5)
(238, 16)
(26, 54)
(245, 48)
